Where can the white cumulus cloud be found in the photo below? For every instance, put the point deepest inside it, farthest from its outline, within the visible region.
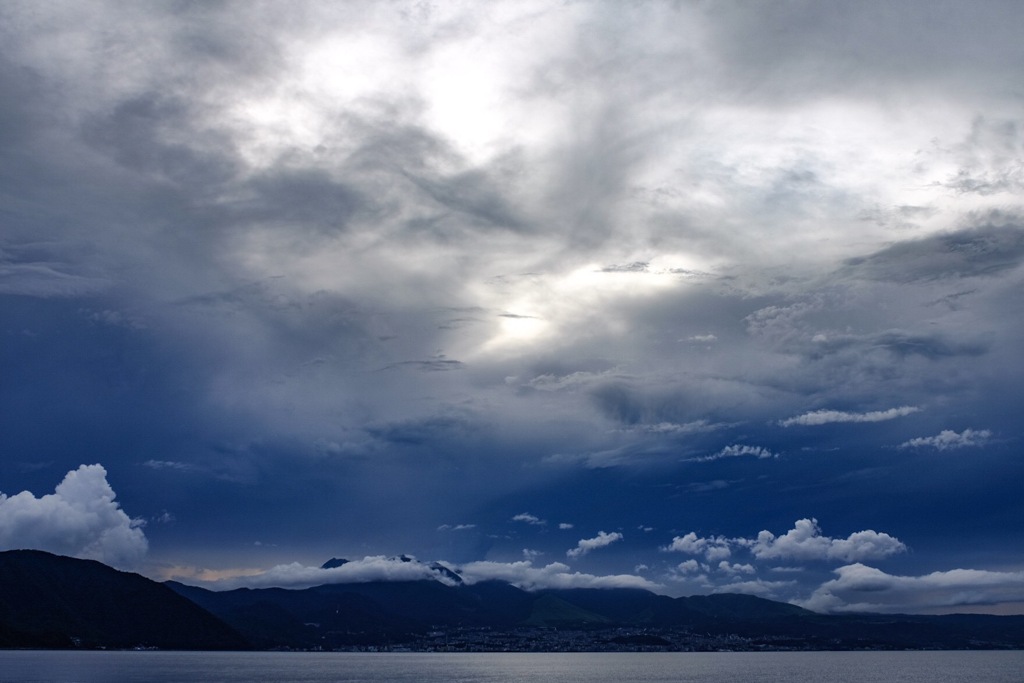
(736, 568)
(585, 545)
(691, 566)
(805, 542)
(716, 548)
(80, 519)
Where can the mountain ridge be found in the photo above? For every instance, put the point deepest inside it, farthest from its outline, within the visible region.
(51, 601)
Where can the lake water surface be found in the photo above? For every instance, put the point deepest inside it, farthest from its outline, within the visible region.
(746, 667)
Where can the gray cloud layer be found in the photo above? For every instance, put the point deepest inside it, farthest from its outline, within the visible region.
(282, 263)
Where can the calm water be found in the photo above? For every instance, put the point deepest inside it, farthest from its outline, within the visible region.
(809, 667)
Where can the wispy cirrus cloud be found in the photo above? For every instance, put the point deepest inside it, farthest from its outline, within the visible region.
(822, 417)
(586, 545)
(740, 450)
(527, 518)
(948, 439)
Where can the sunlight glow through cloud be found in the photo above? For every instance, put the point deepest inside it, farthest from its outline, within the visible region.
(374, 278)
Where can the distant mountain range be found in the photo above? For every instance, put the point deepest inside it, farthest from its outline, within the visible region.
(59, 602)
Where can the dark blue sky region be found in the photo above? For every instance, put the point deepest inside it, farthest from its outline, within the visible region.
(696, 297)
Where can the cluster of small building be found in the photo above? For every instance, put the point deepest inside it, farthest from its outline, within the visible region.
(551, 639)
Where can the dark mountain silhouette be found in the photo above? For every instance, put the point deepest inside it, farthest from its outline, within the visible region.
(52, 601)
(360, 613)
(333, 562)
(374, 613)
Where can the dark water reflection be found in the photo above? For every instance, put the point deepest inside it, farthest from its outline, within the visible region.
(812, 667)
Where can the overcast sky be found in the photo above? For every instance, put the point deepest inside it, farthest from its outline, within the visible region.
(693, 296)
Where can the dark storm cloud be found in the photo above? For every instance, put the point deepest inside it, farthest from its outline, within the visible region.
(433, 365)
(900, 343)
(626, 265)
(456, 323)
(303, 197)
(623, 403)
(471, 194)
(147, 134)
(974, 252)
(424, 432)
